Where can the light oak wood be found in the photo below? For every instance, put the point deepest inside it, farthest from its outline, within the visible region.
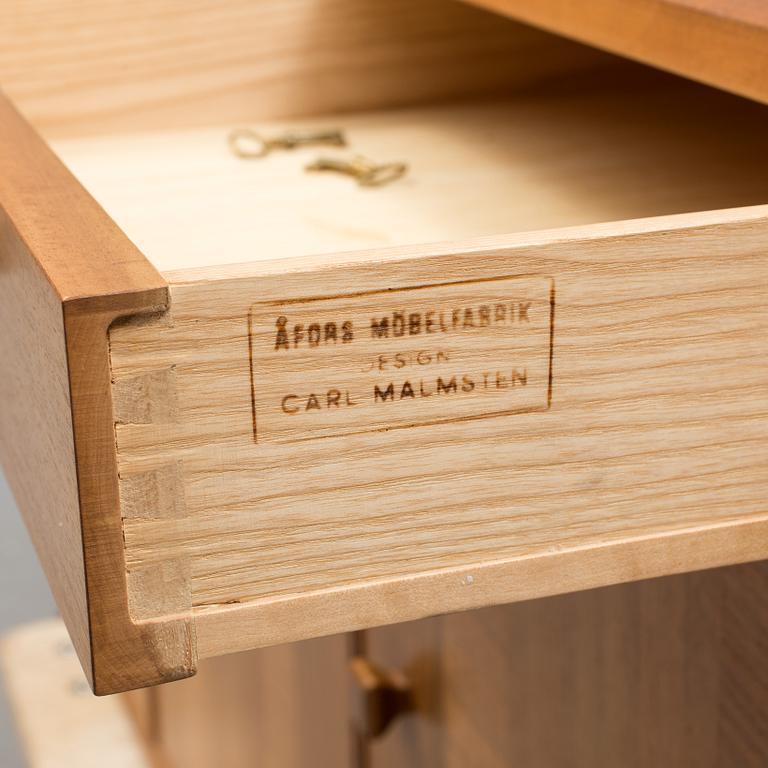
(104, 67)
(213, 511)
(664, 672)
(282, 707)
(70, 260)
(719, 42)
(64, 257)
(621, 145)
(60, 723)
(36, 448)
(141, 704)
(646, 463)
(620, 434)
(668, 672)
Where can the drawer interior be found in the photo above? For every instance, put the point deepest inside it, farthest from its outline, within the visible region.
(504, 128)
(571, 152)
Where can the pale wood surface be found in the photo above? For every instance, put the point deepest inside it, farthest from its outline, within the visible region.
(517, 313)
(141, 704)
(100, 67)
(36, 445)
(652, 439)
(63, 249)
(78, 249)
(648, 461)
(585, 151)
(126, 651)
(282, 707)
(61, 723)
(669, 672)
(664, 672)
(719, 42)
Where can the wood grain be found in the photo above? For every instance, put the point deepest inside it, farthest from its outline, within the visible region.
(312, 378)
(622, 145)
(669, 671)
(36, 448)
(61, 248)
(104, 67)
(282, 707)
(664, 672)
(719, 42)
(648, 461)
(128, 651)
(175, 521)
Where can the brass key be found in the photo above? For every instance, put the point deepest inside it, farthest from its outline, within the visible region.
(249, 144)
(367, 173)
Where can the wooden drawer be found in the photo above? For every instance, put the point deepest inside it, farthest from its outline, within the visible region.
(267, 405)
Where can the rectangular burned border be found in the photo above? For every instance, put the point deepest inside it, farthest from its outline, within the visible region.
(431, 422)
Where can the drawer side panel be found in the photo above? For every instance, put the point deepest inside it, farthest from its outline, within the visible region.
(36, 441)
(66, 273)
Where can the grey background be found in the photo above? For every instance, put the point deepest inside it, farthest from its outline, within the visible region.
(24, 596)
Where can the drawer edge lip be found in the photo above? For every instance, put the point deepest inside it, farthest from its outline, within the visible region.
(242, 627)
(696, 222)
(70, 251)
(125, 654)
(77, 246)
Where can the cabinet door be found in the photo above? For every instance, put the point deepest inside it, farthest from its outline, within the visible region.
(281, 707)
(668, 672)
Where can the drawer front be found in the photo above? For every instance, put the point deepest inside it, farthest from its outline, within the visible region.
(341, 445)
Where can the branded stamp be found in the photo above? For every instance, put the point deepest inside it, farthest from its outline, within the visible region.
(393, 359)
